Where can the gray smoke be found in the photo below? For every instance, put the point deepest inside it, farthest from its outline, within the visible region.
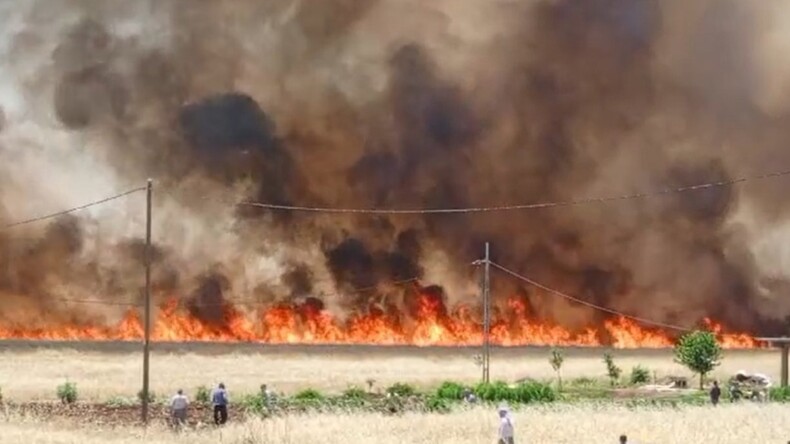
(395, 104)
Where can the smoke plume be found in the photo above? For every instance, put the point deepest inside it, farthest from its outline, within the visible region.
(396, 104)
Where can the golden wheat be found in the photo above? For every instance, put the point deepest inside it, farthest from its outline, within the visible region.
(736, 424)
(99, 376)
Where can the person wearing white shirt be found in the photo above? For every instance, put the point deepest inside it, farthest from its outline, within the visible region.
(178, 408)
(506, 431)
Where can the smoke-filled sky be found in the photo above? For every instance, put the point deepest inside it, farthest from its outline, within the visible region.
(397, 104)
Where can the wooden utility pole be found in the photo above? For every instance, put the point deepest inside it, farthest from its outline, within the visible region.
(147, 314)
(486, 317)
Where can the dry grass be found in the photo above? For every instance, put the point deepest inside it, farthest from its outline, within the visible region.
(747, 423)
(99, 376)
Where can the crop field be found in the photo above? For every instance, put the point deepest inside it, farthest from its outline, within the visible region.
(108, 378)
(552, 425)
(33, 374)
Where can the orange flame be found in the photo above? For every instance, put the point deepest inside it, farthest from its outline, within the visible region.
(428, 323)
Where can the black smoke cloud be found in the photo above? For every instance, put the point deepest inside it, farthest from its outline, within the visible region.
(327, 106)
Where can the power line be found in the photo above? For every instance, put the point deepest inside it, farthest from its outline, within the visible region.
(72, 210)
(585, 303)
(534, 206)
(236, 302)
(98, 302)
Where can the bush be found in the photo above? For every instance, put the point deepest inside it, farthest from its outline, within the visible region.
(524, 393)
(612, 370)
(533, 392)
(437, 404)
(493, 391)
(451, 390)
(67, 393)
(254, 403)
(400, 389)
(151, 396)
(309, 395)
(355, 392)
(1, 395)
(203, 395)
(120, 401)
(639, 375)
(779, 394)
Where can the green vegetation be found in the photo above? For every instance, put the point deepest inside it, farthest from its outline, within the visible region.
(67, 392)
(309, 395)
(556, 359)
(151, 396)
(779, 394)
(451, 390)
(523, 393)
(202, 395)
(612, 370)
(699, 352)
(400, 389)
(120, 401)
(639, 375)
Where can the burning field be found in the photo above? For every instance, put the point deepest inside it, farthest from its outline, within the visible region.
(457, 104)
(429, 325)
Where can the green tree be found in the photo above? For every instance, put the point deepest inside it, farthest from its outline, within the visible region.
(556, 359)
(612, 370)
(700, 352)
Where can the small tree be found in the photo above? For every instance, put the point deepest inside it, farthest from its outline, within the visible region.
(556, 359)
(699, 352)
(612, 370)
(639, 375)
(67, 393)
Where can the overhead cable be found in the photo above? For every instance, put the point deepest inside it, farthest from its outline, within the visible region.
(585, 303)
(533, 206)
(72, 210)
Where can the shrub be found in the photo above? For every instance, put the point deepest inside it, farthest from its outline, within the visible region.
(556, 359)
(151, 396)
(254, 403)
(67, 393)
(400, 389)
(533, 392)
(355, 392)
(437, 404)
(779, 394)
(451, 390)
(493, 391)
(612, 370)
(309, 395)
(203, 395)
(1, 395)
(639, 375)
(119, 401)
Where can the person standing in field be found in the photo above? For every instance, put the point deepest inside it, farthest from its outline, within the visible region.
(715, 393)
(178, 409)
(506, 431)
(219, 398)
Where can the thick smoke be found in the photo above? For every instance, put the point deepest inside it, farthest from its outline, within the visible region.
(392, 104)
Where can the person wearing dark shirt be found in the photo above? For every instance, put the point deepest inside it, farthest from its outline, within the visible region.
(715, 393)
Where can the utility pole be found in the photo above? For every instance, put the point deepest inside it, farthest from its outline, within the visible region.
(486, 317)
(147, 314)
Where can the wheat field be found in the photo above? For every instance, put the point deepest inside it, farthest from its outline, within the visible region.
(747, 423)
(34, 374)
